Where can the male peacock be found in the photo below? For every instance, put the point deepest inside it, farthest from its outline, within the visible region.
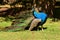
(40, 18)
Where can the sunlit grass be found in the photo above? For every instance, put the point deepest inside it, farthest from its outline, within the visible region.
(51, 33)
(3, 24)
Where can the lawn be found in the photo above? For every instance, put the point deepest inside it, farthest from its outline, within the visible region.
(51, 33)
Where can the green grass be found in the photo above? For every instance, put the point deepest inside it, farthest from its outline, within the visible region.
(51, 33)
(4, 23)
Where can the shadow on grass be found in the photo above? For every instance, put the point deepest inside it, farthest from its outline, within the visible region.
(36, 28)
